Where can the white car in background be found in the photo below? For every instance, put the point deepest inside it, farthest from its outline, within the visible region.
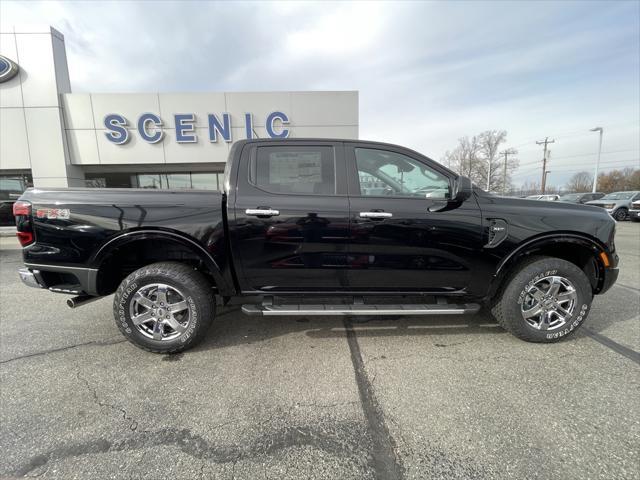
(544, 198)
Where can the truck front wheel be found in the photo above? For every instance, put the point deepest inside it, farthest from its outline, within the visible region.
(164, 307)
(545, 300)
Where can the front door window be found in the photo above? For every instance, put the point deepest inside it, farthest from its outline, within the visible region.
(382, 172)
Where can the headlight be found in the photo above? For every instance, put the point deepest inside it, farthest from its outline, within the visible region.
(609, 205)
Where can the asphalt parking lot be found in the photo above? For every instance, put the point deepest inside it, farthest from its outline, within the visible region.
(439, 397)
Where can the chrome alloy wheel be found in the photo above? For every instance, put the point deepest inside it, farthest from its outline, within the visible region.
(159, 311)
(549, 303)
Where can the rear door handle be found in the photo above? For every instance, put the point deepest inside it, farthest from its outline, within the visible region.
(262, 212)
(376, 214)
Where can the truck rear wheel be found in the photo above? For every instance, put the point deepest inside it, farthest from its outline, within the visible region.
(164, 307)
(545, 300)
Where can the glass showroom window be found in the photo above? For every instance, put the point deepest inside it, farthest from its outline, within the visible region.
(173, 181)
(206, 181)
(176, 180)
(149, 180)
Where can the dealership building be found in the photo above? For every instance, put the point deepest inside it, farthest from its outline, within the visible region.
(51, 137)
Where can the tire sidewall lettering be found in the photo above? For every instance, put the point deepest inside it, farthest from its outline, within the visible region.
(573, 325)
(122, 306)
(193, 321)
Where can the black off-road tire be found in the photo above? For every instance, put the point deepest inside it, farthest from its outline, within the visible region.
(506, 308)
(199, 297)
(620, 214)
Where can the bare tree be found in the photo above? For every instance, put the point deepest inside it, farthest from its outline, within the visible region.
(479, 159)
(626, 179)
(531, 187)
(580, 182)
(464, 158)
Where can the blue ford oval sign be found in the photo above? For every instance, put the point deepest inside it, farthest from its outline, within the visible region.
(8, 69)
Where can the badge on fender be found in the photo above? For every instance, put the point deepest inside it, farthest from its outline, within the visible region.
(53, 213)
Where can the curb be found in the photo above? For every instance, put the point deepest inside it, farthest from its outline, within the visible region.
(7, 232)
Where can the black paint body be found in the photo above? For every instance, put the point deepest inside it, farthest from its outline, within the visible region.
(318, 244)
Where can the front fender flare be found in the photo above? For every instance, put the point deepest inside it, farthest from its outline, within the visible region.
(550, 239)
(543, 241)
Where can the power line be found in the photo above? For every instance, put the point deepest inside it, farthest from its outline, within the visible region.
(583, 155)
(563, 168)
(576, 133)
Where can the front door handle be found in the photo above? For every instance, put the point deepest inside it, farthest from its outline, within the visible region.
(262, 212)
(376, 214)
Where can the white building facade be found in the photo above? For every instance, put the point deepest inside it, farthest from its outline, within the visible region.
(51, 137)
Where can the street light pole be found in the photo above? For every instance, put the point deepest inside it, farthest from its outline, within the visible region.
(595, 176)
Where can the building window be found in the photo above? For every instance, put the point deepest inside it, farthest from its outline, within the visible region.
(176, 180)
(11, 187)
(206, 181)
(173, 181)
(149, 180)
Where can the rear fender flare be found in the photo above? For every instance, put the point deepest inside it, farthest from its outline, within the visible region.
(99, 257)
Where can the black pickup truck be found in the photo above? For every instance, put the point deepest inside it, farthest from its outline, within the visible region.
(318, 227)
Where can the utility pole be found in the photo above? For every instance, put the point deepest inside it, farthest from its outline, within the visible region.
(544, 142)
(504, 172)
(595, 175)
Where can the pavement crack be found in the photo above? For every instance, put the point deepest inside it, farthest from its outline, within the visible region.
(133, 424)
(324, 405)
(62, 349)
(633, 289)
(613, 345)
(343, 440)
(384, 458)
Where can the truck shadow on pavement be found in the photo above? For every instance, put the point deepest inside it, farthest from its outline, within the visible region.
(232, 327)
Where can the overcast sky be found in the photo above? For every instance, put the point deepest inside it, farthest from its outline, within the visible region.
(427, 72)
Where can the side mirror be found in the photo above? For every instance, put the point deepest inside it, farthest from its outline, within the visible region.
(462, 189)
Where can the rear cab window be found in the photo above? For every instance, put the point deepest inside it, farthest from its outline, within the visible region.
(291, 169)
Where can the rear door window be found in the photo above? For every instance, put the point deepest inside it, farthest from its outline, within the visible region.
(307, 170)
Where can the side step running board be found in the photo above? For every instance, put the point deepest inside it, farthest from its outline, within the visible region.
(361, 309)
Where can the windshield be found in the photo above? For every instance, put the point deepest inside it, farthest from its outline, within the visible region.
(571, 196)
(618, 196)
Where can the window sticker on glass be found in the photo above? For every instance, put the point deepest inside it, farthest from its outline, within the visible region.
(305, 170)
(299, 168)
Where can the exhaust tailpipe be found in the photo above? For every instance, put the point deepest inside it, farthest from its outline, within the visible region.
(81, 300)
